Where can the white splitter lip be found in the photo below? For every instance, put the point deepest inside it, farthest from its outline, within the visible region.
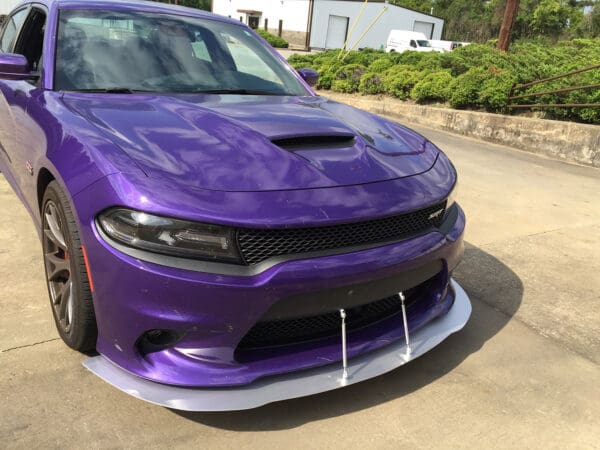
(290, 385)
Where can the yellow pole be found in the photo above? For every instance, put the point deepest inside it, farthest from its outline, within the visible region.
(360, 13)
(366, 31)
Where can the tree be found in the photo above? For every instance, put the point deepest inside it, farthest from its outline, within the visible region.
(595, 20)
(510, 14)
(550, 18)
(416, 5)
(465, 20)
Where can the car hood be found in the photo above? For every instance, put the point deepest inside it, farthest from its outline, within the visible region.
(255, 143)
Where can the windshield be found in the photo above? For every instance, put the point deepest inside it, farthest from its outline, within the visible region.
(424, 43)
(134, 51)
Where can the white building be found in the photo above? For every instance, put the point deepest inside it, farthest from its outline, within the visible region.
(326, 23)
(7, 6)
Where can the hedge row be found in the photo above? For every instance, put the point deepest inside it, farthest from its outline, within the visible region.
(275, 41)
(471, 77)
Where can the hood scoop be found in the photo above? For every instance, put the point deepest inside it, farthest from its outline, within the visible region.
(321, 142)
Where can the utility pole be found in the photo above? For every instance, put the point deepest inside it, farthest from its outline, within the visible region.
(510, 14)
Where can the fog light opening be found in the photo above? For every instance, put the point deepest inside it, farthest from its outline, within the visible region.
(153, 341)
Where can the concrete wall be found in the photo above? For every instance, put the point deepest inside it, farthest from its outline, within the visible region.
(568, 141)
(395, 18)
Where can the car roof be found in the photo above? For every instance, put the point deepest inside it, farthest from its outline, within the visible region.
(138, 5)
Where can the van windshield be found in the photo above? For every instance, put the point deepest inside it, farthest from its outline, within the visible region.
(424, 43)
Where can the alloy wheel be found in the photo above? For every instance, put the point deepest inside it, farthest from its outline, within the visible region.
(58, 266)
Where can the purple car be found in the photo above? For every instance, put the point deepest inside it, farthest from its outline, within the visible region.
(216, 234)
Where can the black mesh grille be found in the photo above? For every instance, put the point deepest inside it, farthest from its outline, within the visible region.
(258, 245)
(285, 332)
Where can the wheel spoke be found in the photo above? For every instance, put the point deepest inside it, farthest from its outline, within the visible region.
(56, 267)
(70, 303)
(65, 299)
(55, 243)
(53, 222)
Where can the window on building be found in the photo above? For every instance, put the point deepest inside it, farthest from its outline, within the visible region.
(253, 22)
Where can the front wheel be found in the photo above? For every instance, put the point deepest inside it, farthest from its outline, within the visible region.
(66, 275)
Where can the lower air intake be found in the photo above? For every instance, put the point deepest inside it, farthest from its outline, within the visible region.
(285, 332)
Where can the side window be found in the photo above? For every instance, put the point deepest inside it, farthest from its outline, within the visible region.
(413, 44)
(11, 28)
(30, 42)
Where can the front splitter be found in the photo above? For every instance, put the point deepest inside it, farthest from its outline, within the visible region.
(290, 385)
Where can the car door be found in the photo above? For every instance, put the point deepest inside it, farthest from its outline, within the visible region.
(23, 98)
(8, 100)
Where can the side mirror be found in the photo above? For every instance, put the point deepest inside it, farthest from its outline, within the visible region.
(311, 76)
(14, 67)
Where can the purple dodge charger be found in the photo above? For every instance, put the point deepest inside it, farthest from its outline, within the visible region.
(214, 232)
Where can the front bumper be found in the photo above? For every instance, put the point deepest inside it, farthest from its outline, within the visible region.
(216, 311)
(294, 384)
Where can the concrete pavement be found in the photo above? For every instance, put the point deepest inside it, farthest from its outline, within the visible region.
(523, 373)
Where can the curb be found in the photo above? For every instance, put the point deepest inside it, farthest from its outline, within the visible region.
(565, 141)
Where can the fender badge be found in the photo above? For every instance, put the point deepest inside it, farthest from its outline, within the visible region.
(29, 167)
(435, 215)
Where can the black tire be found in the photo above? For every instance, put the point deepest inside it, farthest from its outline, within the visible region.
(66, 275)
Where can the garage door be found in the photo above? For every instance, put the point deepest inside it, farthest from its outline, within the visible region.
(424, 27)
(336, 31)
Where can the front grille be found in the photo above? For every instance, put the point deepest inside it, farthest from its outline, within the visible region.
(257, 245)
(292, 331)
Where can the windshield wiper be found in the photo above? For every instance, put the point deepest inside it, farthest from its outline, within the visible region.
(112, 90)
(233, 92)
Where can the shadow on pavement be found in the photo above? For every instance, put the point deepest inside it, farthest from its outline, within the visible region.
(496, 293)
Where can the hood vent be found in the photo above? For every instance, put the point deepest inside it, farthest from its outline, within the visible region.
(292, 143)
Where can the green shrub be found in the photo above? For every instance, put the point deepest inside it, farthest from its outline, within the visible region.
(408, 58)
(347, 78)
(371, 83)
(481, 75)
(327, 74)
(494, 92)
(325, 80)
(380, 65)
(299, 60)
(275, 41)
(400, 80)
(431, 62)
(433, 87)
(363, 57)
(465, 88)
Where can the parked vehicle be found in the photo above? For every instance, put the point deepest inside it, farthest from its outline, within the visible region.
(402, 40)
(207, 221)
(447, 46)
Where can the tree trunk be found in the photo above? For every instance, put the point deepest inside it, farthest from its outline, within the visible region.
(510, 14)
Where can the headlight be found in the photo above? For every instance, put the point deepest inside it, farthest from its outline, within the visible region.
(170, 236)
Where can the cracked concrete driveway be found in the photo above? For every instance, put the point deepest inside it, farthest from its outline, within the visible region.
(523, 373)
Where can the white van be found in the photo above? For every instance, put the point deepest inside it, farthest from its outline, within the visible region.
(402, 40)
(445, 45)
